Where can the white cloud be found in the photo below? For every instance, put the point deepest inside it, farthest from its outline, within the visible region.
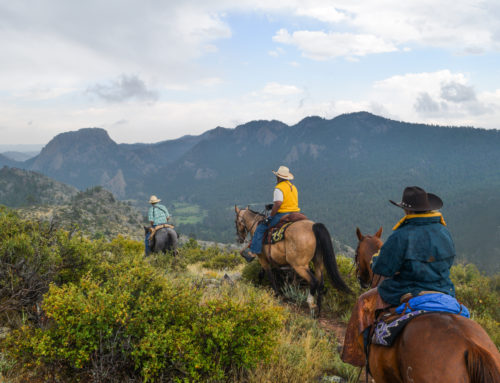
(319, 45)
(276, 89)
(211, 81)
(461, 26)
(323, 13)
(441, 97)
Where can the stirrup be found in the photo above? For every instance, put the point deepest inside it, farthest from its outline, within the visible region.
(246, 254)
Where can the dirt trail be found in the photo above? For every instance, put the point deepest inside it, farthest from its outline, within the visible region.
(336, 327)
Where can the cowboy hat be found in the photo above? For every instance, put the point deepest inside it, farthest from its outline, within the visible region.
(154, 199)
(416, 199)
(283, 172)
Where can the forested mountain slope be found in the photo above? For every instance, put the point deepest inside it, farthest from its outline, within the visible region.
(345, 168)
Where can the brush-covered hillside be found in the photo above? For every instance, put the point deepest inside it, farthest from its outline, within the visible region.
(75, 309)
(95, 211)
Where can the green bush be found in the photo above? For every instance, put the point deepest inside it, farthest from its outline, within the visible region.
(223, 261)
(32, 255)
(481, 295)
(126, 321)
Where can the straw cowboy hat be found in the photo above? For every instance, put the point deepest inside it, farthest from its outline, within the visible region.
(154, 199)
(283, 172)
(416, 199)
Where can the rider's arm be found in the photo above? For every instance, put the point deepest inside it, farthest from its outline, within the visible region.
(391, 257)
(276, 207)
(277, 201)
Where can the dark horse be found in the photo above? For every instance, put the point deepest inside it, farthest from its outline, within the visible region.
(305, 242)
(435, 347)
(165, 239)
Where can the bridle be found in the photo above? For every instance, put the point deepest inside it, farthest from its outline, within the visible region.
(243, 234)
(358, 274)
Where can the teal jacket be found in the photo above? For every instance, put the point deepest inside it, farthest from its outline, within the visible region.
(416, 257)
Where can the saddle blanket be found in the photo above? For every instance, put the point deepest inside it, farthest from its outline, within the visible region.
(277, 233)
(434, 302)
(386, 331)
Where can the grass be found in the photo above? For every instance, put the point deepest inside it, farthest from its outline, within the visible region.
(187, 214)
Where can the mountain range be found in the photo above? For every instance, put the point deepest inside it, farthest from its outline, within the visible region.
(345, 168)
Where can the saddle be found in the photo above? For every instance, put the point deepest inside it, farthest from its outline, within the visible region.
(153, 231)
(277, 233)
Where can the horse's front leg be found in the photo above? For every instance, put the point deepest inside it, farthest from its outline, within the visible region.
(266, 266)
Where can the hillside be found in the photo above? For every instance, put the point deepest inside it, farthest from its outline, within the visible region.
(95, 211)
(345, 168)
(26, 188)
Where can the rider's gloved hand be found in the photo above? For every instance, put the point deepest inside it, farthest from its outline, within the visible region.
(269, 206)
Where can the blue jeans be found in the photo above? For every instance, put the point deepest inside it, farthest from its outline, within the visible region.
(258, 236)
(146, 241)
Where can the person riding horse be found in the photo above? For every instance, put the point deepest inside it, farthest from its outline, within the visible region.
(157, 215)
(285, 201)
(415, 260)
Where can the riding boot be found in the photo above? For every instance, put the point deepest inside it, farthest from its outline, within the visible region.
(248, 255)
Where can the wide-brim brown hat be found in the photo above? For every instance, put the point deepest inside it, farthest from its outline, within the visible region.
(154, 199)
(417, 199)
(283, 172)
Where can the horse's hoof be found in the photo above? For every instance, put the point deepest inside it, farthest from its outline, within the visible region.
(313, 312)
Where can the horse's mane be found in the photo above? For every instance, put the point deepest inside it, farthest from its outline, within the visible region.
(255, 212)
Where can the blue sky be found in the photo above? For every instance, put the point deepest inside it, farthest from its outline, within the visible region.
(151, 70)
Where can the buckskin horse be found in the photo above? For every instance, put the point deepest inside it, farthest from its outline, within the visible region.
(305, 241)
(435, 347)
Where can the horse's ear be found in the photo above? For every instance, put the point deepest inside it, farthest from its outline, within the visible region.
(358, 233)
(379, 232)
(236, 209)
(248, 207)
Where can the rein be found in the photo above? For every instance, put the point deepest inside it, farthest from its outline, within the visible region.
(258, 218)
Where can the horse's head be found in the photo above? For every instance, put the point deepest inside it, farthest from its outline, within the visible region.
(246, 221)
(368, 245)
(241, 228)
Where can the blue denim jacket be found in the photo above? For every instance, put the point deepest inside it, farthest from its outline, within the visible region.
(422, 251)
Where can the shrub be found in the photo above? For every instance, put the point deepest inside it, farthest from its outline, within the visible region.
(304, 352)
(126, 321)
(32, 255)
(223, 261)
(338, 302)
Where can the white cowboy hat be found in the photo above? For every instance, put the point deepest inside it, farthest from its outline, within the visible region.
(283, 172)
(154, 199)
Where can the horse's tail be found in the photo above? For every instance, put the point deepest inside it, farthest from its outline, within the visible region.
(481, 366)
(324, 244)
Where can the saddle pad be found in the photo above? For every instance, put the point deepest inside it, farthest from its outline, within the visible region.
(276, 234)
(434, 302)
(385, 333)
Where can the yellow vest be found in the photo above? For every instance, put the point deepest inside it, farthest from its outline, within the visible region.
(290, 197)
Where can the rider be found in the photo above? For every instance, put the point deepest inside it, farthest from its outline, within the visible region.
(416, 260)
(157, 215)
(285, 201)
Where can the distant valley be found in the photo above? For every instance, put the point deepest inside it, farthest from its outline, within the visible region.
(345, 168)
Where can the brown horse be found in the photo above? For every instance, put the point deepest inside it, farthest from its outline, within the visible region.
(305, 241)
(368, 245)
(435, 347)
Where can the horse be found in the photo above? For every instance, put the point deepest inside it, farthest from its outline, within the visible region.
(304, 242)
(165, 239)
(435, 347)
(368, 245)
